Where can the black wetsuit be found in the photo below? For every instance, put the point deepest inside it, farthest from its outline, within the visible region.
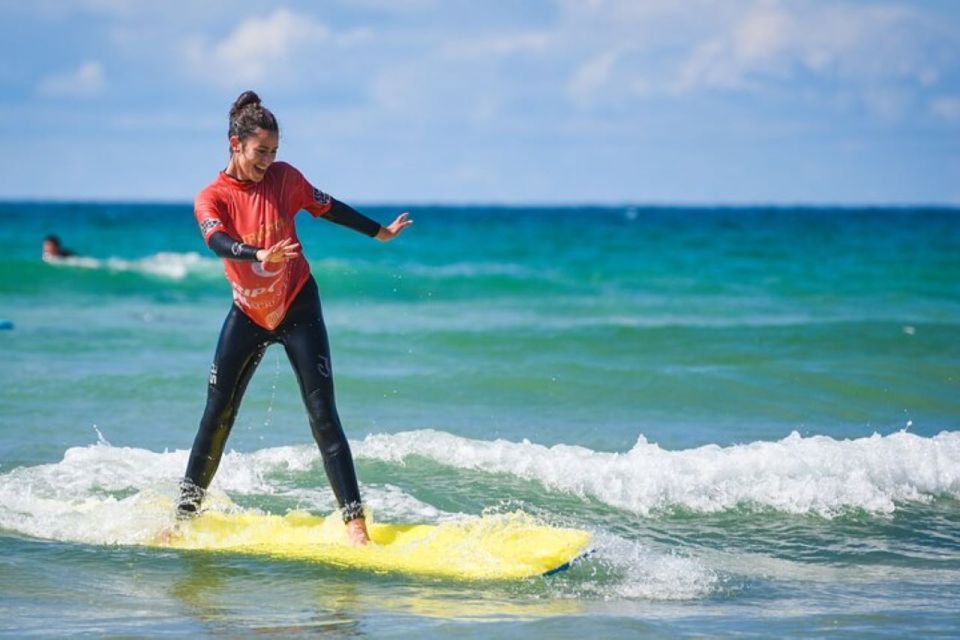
(239, 350)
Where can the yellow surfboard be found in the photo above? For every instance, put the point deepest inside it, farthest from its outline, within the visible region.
(499, 547)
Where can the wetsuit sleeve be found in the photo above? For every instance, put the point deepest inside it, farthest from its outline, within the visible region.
(345, 215)
(322, 205)
(226, 247)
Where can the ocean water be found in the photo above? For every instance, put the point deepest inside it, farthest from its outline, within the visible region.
(755, 411)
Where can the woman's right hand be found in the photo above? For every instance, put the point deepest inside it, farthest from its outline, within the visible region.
(282, 251)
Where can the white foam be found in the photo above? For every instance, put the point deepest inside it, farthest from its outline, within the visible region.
(174, 266)
(82, 497)
(101, 494)
(796, 475)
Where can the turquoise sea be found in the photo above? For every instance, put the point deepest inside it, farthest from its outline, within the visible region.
(756, 411)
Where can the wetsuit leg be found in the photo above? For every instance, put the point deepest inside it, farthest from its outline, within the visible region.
(239, 351)
(304, 337)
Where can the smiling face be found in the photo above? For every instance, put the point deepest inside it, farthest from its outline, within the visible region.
(250, 157)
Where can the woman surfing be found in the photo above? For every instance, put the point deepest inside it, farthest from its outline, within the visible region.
(246, 216)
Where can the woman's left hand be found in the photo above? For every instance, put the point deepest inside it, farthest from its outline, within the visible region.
(394, 229)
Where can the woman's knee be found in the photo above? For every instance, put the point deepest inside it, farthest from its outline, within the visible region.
(323, 417)
(220, 409)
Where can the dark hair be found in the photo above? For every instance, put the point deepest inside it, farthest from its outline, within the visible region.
(247, 114)
(52, 238)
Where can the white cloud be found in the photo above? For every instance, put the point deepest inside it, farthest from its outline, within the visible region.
(592, 77)
(258, 50)
(880, 59)
(86, 81)
(762, 34)
(835, 42)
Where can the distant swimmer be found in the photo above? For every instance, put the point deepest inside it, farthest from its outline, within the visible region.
(246, 216)
(53, 249)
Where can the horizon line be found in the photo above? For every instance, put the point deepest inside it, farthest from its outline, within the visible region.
(623, 204)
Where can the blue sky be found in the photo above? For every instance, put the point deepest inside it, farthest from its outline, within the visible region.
(533, 101)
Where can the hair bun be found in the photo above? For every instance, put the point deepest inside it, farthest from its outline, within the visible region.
(246, 98)
(248, 114)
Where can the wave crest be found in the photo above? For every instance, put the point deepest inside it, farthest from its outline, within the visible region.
(798, 475)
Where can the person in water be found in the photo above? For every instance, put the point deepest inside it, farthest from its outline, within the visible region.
(53, 249)
(246, 216)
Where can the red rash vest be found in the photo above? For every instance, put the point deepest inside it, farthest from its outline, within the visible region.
(261, 214)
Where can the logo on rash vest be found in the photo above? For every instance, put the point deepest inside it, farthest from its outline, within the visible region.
(245, 296)
(323, 366)
(260, 269)
(320, 197)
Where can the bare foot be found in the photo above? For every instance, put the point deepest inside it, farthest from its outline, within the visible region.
(357, 532)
